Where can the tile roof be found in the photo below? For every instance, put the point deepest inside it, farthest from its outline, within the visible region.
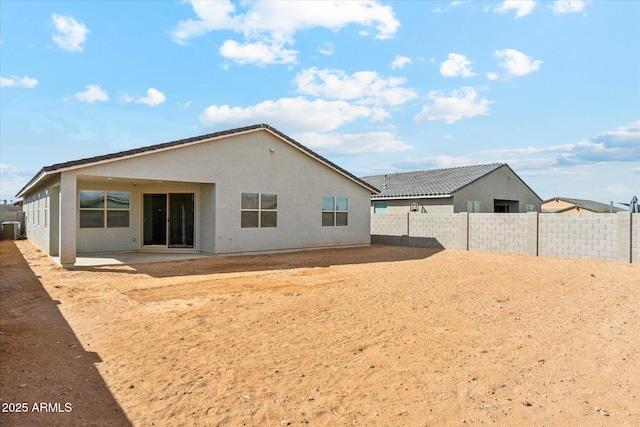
(588, 205)
(428, 183)
(90, 160)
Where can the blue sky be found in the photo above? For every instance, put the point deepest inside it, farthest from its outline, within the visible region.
(550, 87)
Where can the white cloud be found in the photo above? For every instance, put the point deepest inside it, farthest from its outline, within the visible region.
(460, 104)
(516, 63)
(521, 7)
(295, 114)
(365, 87)
(568, 6)
(154, 97)
(13, 81)
(620, 145)
(268, 26)
(326, 48)
(456, 66)
(259, 53)
(400, 61)
(493, 76)
(126, 98)
(349, 144)
(70, 34)
(310, 123)
(13, 179)
(93, 94)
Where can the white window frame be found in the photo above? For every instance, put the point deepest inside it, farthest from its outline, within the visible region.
(335, 211)
(105, 209)
(261, 209)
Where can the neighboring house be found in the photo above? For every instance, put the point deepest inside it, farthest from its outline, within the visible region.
(479, 188)
(245, 190)
(567, 205)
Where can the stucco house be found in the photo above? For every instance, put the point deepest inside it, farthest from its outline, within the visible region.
(245, 190)
(479, 188)
(568, 205)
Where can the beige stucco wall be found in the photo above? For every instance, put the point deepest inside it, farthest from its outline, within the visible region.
(500, 184)
(218, 172)
(37, 208)
(554, 205)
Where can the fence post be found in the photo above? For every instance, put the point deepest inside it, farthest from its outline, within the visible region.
(465, 217)
(531, 234)
(623, 225)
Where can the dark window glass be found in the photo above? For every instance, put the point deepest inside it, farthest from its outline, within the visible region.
(250, 201)
(92, 219)
(117, 200)
(268, 219)
(92, 199)
(249, 219)
(269, 201)
(117, 219)
(327, 219)
(341, 218)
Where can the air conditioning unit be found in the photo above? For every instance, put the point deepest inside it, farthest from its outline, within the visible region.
(10, 230)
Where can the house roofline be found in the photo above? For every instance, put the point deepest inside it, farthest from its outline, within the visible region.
(136, 152)
(416, 196)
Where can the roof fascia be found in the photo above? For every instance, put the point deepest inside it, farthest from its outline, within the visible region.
(53, 169)
(441, 196)
(34, 181)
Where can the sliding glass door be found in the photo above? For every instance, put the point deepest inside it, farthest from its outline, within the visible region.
(169, 220)
(181, 220)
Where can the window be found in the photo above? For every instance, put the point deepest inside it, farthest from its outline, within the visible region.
(474, 207)
(379, 208)
(259, 210)
(96, 206)
(531, 208)
(335, 211)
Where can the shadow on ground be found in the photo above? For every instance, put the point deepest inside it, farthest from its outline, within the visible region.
(277, 261)
(46, 377)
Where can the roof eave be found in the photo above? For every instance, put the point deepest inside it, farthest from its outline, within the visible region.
(415, 196)
(108, 158)
(33, 182)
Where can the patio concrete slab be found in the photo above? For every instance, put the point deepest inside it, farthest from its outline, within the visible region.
(125, 258)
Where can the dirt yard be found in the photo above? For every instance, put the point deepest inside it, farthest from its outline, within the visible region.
(379, 336)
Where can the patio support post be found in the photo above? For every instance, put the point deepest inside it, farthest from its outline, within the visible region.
(68, 213)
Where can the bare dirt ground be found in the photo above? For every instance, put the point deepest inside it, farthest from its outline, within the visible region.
(379, 336)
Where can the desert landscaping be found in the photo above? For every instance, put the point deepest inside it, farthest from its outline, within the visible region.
(374, 336)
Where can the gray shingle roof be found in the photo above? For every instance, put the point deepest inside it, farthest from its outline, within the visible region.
(82, 162)
(428, 183)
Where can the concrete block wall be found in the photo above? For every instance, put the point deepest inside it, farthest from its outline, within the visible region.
(607, 237)
(585, 236)
(509, 233)
(448, 230)
(389, 224)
